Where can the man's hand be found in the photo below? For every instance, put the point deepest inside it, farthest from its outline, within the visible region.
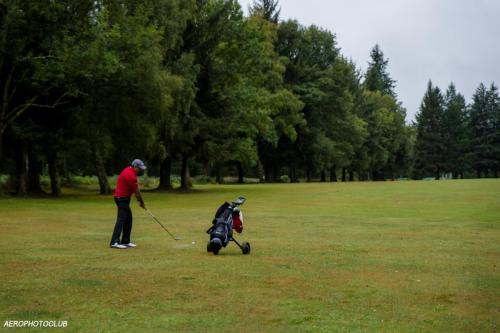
(140, 199)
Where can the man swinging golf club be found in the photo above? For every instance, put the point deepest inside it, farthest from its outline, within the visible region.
(125, 187)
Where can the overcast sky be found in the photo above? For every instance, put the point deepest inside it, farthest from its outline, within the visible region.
(441, 40)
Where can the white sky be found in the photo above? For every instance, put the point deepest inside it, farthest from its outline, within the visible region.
(441, 40)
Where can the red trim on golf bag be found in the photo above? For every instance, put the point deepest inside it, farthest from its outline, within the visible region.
(238, 222)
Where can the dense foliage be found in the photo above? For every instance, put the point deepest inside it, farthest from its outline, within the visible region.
(196, 88)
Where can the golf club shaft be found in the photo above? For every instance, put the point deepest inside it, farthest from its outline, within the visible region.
(154, 218)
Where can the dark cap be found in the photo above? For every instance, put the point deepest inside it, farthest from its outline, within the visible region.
(138, 164)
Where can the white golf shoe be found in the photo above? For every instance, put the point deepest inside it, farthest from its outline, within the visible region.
(118, 246)
(130, 245)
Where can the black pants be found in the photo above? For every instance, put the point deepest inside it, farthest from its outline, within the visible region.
(123, 222)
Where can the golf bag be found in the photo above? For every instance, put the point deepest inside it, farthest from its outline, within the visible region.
(228, 218)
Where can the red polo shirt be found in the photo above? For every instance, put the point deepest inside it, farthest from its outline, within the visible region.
(127, 183)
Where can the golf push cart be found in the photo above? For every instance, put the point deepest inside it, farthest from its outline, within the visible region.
(227, 218)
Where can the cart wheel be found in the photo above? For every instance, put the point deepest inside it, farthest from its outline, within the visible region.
(209, 247)
(216, 251)
(245, 248)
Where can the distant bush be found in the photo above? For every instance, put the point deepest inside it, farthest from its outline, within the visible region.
(147, 181)
(204, 179)
(83, 180)
(45, 181)
(284, 179)
(252, 180)
(4, 179)
(6, 183)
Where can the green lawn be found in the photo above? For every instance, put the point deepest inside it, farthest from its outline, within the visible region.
(344, 257)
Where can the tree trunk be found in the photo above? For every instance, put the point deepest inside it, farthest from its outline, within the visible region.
(323, 176)
(185, 177)
(55, 185)
(67, 178)
(3, 121)
(292, 173)
(333, 174)
(271, 173)
(437, 173)
(260, 171)
(241, 178)
(218, 175)
(34, 171)
(21, 172)
(308, 174)
(343, 174)
(276, 177)
(351, 176)
(268, 173)
(165, 172)
(478, 173)
(104, 187)
(378, 176)
(1, 146)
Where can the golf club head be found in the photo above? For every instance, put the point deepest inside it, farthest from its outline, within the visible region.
(239, 201)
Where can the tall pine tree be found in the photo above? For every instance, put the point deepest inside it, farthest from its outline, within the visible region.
(484, 125)
(267, 9)
(377, 78)
(493, 129)
(455, 132)
(430, 145)
(494, 112)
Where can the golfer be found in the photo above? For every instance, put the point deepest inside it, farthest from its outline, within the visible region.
(125, 187)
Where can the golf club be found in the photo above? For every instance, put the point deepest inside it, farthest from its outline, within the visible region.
(154, 218)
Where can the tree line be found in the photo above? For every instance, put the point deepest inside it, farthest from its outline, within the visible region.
(194, 87)
(456, 138)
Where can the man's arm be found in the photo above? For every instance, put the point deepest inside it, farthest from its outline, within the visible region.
(139, 198)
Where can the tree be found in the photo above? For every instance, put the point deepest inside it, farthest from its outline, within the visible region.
(33, 66)
(117, 65)
(310, 74)
(455, 132)
(173, 85)
(377, 78)
(485, 130)
(479, 127)
(386, 135)
(493, 137)
(338, 128)
(386, 149)
(267, 9)
(494, 112)
(238, 87)
(430, 145)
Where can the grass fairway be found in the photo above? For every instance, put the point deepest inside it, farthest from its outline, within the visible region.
(346, 257)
